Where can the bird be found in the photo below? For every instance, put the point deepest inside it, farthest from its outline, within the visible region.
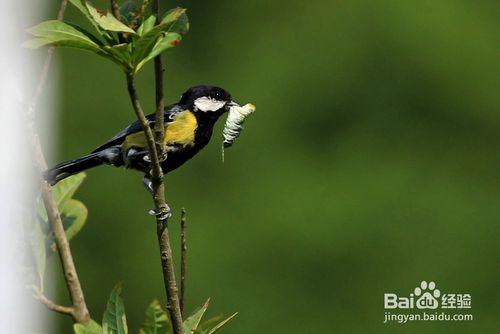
(189, 125)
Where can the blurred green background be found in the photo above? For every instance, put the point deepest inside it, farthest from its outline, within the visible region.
(372, 163)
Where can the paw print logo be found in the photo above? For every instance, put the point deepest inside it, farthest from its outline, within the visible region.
(427, 295)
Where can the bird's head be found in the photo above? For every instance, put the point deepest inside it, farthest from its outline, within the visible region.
(209, 100)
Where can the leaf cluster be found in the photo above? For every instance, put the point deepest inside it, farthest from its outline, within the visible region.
(114, 320)
(122, 43)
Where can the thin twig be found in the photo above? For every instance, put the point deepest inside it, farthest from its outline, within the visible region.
(115, 8)
(79, 312)
(183, 259)
(139, 14)
(162, 210)
(53, 306)
(160, 102)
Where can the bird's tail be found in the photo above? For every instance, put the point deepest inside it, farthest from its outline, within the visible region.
(68, 168)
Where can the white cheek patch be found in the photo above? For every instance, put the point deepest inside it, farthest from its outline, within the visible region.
(208, 104)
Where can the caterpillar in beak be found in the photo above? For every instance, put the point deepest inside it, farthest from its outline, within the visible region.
(234, 124)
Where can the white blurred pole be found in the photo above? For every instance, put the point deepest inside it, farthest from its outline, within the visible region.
(17, 309)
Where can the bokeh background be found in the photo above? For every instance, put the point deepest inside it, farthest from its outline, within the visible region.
(372, 163)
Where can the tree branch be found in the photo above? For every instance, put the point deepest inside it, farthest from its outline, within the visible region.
(159, 195)
(53, 306)
(183, 259)
(162, 210)
(160, 102)
(79, 312)
(115, 9)
(139, 14)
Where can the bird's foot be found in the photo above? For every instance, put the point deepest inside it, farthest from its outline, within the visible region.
(162, 214)
(163, 155)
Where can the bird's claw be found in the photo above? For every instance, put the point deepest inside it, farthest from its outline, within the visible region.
(166, 213)
(163, 155)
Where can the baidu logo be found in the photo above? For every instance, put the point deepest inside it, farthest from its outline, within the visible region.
(427, 296)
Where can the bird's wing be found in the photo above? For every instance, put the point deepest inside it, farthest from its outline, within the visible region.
(135, 127)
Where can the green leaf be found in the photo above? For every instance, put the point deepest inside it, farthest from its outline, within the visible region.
(174, 22)
(191, 323)
(157, 321)
(58, 33)
(42, 41)
(107, 21)
(114, 320)
(74, 215)
(221, 324)
(147, 25)
(65, 189)
(81, 5)
(37, 242)
(206, 325)
(179, 20)
(120, 52)
(165, 42)
(40, 208)
(36, 43)
(91, 328)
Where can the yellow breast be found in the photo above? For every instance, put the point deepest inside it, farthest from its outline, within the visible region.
(180, 131)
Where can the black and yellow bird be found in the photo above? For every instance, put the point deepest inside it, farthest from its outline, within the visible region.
(188, 128)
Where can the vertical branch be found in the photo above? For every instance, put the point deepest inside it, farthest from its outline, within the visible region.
(183, 259)
(115, 9)
(79, 309)
(162, 209)
(160, 102)
(174, 307)
(139, 14)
